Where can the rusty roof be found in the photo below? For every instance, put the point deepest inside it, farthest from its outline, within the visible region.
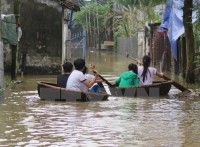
(70, 5)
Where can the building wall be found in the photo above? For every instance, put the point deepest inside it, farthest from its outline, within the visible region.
(7, 6)
(41, 41)
(41, 27)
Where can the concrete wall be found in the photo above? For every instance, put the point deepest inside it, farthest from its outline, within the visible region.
(41, 32)
(41, 27)
(7, 6)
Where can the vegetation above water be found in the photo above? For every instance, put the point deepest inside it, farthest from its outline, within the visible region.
(7, 82)
(136, 13)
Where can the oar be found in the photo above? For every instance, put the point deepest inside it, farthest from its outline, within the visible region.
(177, 85)
(109, 84)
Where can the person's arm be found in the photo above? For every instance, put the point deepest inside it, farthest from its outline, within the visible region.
(90, 76)
(99, 80)
(159, 74)
(89, 83)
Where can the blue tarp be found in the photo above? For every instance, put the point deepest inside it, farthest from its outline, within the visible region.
(173, 22)
(70, 21)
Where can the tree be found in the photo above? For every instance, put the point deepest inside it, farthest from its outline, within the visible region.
(92, 21)
(80, 17)
(187, 21)
(135, 14)
(189, 36)
(141, 3)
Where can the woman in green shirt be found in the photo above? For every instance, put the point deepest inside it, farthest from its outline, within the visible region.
(129, 78)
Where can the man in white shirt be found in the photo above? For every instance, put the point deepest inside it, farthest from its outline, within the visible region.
(77, 77)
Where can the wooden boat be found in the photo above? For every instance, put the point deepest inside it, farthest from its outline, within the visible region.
(51, 92)
(158, 88)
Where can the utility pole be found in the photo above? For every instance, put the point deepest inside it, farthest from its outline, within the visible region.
(1, 54)
(14, 48)
(64, 35)
(84, 45)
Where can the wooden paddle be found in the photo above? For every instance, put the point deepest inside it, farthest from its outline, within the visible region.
(177, 85)
(109, 84)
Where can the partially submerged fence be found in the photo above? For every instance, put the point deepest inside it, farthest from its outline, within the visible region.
(127, 46)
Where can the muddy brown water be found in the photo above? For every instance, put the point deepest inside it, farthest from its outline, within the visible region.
(25, 120)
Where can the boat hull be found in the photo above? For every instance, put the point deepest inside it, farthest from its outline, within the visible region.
(159, 88)
(50, 92)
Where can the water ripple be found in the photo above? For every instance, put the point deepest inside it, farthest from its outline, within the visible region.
(117, 122)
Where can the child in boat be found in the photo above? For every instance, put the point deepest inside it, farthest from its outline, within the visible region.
(145, 72)
(128, 78)
(95, 87)
(62, 79)
(77, 77)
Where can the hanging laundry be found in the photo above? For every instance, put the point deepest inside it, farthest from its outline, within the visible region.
(9, 32)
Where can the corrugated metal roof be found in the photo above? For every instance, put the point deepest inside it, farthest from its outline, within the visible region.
(70, 5)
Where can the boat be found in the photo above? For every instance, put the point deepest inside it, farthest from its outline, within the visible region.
(158, 88)
(51, 92)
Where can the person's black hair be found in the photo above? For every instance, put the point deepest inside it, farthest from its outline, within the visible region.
(85, 70)
(133, 67)
(146, 63)
(79, 64)
(67, 67)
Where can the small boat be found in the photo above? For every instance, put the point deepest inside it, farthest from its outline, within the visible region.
(158, 88)
(51, 92)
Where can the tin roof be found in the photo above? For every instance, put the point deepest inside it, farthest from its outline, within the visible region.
(70, 5)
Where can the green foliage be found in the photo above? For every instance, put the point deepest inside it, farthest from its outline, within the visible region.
(135, 14)
(92, 12)
(116, 35)
(7, 82)
(196, 35)
(140, 3)
(196, 31)
(155, 16)
(126, 23)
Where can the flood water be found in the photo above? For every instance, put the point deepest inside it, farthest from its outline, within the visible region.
(25, 120)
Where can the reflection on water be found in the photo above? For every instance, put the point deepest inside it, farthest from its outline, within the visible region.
(142, 122)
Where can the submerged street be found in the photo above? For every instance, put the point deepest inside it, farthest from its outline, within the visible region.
(25, 120)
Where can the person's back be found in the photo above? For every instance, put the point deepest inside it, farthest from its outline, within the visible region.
(148, 77)
(62, 79)
(77, 78)
(75, 81)
(146, 73)
(128, 78)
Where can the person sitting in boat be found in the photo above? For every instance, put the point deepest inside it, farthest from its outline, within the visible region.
(145, 72)
(77, 77)
(62, 79)
(95, 87)
(128, 78)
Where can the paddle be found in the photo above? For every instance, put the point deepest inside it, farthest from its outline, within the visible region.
(177, 85)
(109, 84)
